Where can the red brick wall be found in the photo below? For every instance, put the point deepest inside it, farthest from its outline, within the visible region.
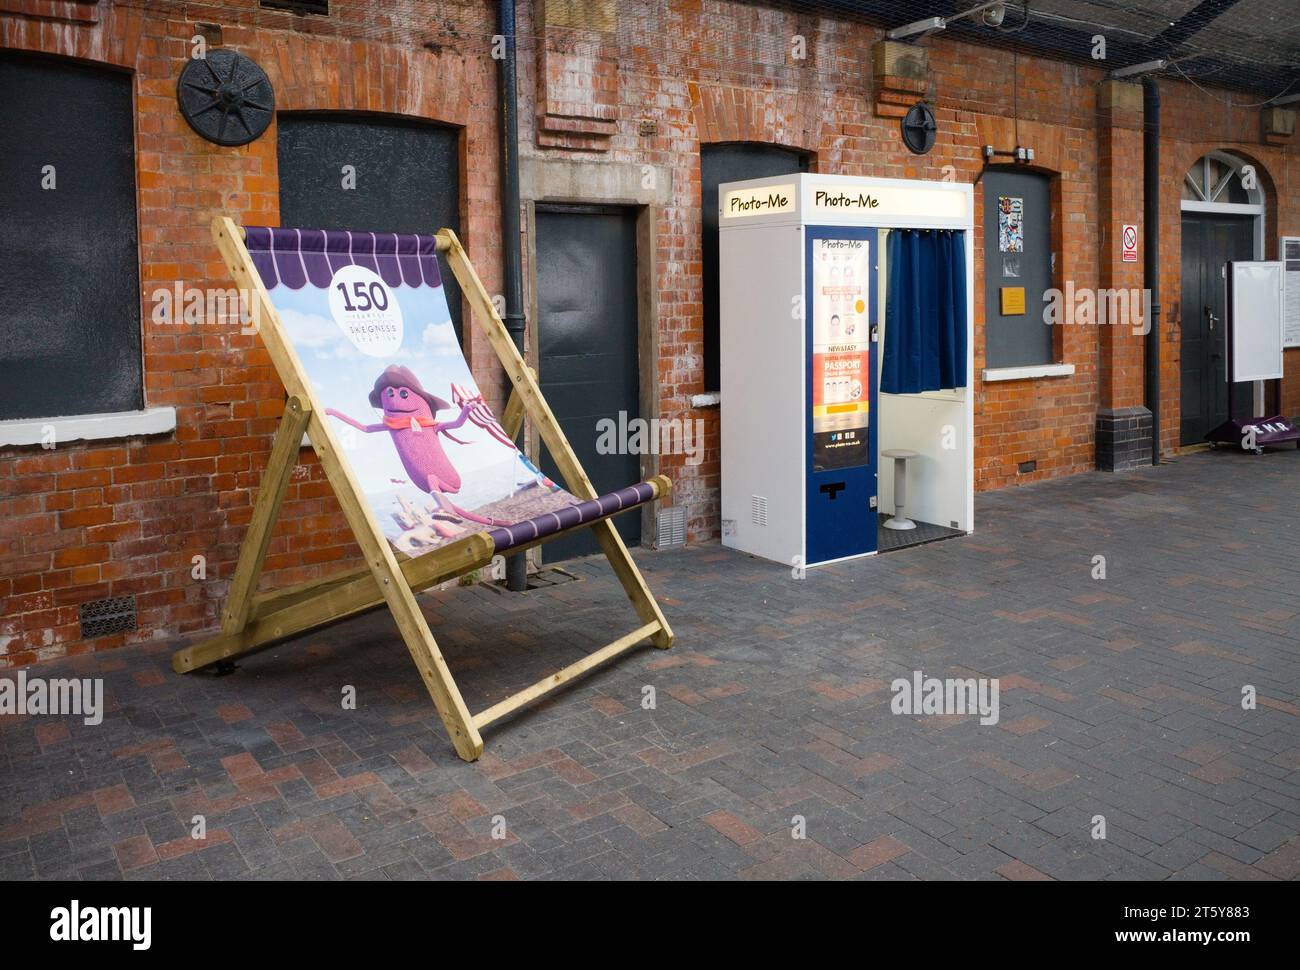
(85, 521)
(710, 73)
(107, 519)
(1198, 123)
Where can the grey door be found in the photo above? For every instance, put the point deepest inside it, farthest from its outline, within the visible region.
(405, 177)
(1209, 241)
(587, 347)
(730, 163)
(1017, 253)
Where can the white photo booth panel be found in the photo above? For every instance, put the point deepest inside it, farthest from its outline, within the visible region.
(766, 226)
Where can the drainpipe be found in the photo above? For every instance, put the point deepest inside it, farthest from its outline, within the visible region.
(512, 258)
(1151, 255)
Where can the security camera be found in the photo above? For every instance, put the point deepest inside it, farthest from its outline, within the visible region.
(994, 15)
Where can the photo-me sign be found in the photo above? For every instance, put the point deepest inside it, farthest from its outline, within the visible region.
(843, 200)
(763, 201)
(826, 198)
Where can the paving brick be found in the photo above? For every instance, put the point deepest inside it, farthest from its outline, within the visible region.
(591, 785)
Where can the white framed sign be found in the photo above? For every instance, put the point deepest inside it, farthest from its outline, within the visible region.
(765, 200)
(834, 198)
(1289, 249)
(1256, 289)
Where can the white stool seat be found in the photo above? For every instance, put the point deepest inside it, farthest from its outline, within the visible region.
(901, 457)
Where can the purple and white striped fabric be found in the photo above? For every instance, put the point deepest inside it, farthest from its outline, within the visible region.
(296, 257)
(509, 536)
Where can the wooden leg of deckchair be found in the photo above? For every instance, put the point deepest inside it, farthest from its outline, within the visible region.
(401, 601)
(281, 614)
(347, 489)
(270, 495)
(433, 668)
(512, 418)
(529, 394)
(638, 592)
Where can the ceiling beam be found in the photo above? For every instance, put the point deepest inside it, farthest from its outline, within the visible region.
(1191, 23)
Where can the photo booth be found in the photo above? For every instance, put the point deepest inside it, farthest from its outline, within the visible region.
(846, 356)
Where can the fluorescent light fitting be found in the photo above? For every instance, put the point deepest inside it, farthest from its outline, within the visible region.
(1146, 67)
(927, 26)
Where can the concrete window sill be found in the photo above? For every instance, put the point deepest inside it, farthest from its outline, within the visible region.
(992, 374)
(87, 427)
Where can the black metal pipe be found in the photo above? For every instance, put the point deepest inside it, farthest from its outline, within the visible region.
(511, 255)
(1151, 252)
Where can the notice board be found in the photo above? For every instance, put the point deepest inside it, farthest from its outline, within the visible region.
(1256, 308)
(1290, 250)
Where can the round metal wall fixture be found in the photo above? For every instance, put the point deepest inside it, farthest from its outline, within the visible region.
(225, 97)
(919, 128)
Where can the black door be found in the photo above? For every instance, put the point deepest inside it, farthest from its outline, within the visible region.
(1017, 255)
(730, 163)
(70, 290)
(587, 348)
(342, 171)
(1209, 241)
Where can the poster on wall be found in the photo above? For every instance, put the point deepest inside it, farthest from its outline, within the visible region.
(841, 352)
(1011, 225)
(1291, 291)
(367, 315)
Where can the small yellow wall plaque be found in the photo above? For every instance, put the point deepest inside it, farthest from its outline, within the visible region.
(1013, 300)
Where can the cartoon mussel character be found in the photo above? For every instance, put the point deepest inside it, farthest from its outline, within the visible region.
(411, 419)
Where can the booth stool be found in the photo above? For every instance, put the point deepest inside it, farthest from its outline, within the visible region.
(900, 456)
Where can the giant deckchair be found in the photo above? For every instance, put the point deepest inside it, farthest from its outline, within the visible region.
(278, 269)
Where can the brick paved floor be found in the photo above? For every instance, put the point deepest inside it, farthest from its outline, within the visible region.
(1119, 697)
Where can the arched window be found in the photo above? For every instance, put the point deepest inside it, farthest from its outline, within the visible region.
(1218, 179)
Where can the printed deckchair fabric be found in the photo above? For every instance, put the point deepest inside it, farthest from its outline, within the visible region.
(430, 482)
(368, 316)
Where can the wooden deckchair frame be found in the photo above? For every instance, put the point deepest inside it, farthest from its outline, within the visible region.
(252, 621)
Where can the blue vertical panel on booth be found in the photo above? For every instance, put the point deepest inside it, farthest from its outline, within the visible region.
(840, 267)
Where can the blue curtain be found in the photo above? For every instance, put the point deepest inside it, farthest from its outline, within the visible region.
(925, 311)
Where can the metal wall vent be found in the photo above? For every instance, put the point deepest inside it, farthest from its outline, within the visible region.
(671, 529)
(758, 509)
(99, 618)
(321, 7)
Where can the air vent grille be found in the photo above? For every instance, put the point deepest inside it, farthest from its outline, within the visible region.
(300, 6)
(758, 509)
(672, 527)
(99, 618)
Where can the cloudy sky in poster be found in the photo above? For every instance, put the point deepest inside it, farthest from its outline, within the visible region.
(343, 377)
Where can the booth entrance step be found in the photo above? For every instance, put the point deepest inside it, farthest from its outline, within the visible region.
(890, 540)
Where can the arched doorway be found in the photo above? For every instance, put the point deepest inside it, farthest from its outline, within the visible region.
(1222, 220)
(731, 162)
